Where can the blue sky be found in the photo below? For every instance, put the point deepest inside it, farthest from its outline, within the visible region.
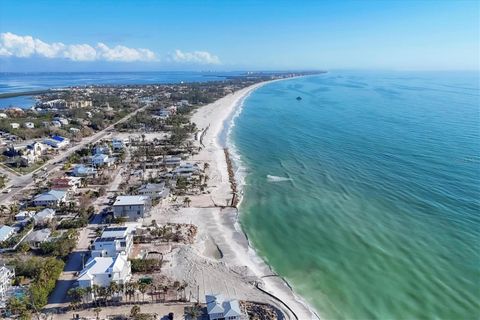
(238, 35)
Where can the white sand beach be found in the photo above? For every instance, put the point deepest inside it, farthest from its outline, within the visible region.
(221, 260)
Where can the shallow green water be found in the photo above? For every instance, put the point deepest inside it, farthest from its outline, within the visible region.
(365, 194)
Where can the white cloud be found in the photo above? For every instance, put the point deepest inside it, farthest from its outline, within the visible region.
(197, 57)
(27, 46)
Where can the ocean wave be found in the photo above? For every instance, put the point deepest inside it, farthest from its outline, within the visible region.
(277, 179)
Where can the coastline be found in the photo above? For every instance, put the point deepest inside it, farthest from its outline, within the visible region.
(219, 118)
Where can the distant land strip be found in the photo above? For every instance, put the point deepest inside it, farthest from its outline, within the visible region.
(24, 93)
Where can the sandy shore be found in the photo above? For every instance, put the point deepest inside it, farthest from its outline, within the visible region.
(221, 260)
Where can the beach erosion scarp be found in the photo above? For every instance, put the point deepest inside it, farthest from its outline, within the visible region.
(218, 117)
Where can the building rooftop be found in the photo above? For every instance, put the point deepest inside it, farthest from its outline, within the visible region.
(5, 231)
(115, 232)
(52, 195)
(130, 200)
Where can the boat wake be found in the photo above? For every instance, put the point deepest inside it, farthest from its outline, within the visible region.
(277, 179)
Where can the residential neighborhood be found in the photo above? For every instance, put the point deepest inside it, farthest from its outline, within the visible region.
(98, 198)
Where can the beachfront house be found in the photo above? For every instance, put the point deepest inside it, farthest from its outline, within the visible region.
(186, 170)
(131, 207)
(101, 271)
(114, 241)
(52, 198)
(219, 308)
(154, 190)
(6, 232)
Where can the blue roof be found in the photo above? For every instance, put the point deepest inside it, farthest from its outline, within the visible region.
(58, 138)
(5, 231)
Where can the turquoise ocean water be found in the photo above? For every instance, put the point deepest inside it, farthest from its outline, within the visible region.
(365, 194)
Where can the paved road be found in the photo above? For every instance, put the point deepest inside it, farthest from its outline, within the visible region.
(24, 181)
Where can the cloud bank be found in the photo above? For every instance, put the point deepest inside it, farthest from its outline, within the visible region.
(12, 45)
(196, 57)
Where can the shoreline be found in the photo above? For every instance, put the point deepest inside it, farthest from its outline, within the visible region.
(219, 118)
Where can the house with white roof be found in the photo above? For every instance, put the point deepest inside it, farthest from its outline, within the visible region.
(154, 190)
(6, 232)
(219, 308)
(114, 241)
(101, 271)
(52, 198)
(44, 216)
(131, 207)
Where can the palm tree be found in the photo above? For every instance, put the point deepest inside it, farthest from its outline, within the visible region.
(206, 165)
(97, 312)
(95, 292)
(187, 201)
(88, 293)
(142, 287)
(113, 289)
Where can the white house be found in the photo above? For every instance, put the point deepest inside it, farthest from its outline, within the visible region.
(114, 241)
(219, 308)
(6, 277)
(6, 232)
(15, 125)
(101, 271)
(100, 159)
(44, 216)
(132, 207)
(154, 190)
(52, 198)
